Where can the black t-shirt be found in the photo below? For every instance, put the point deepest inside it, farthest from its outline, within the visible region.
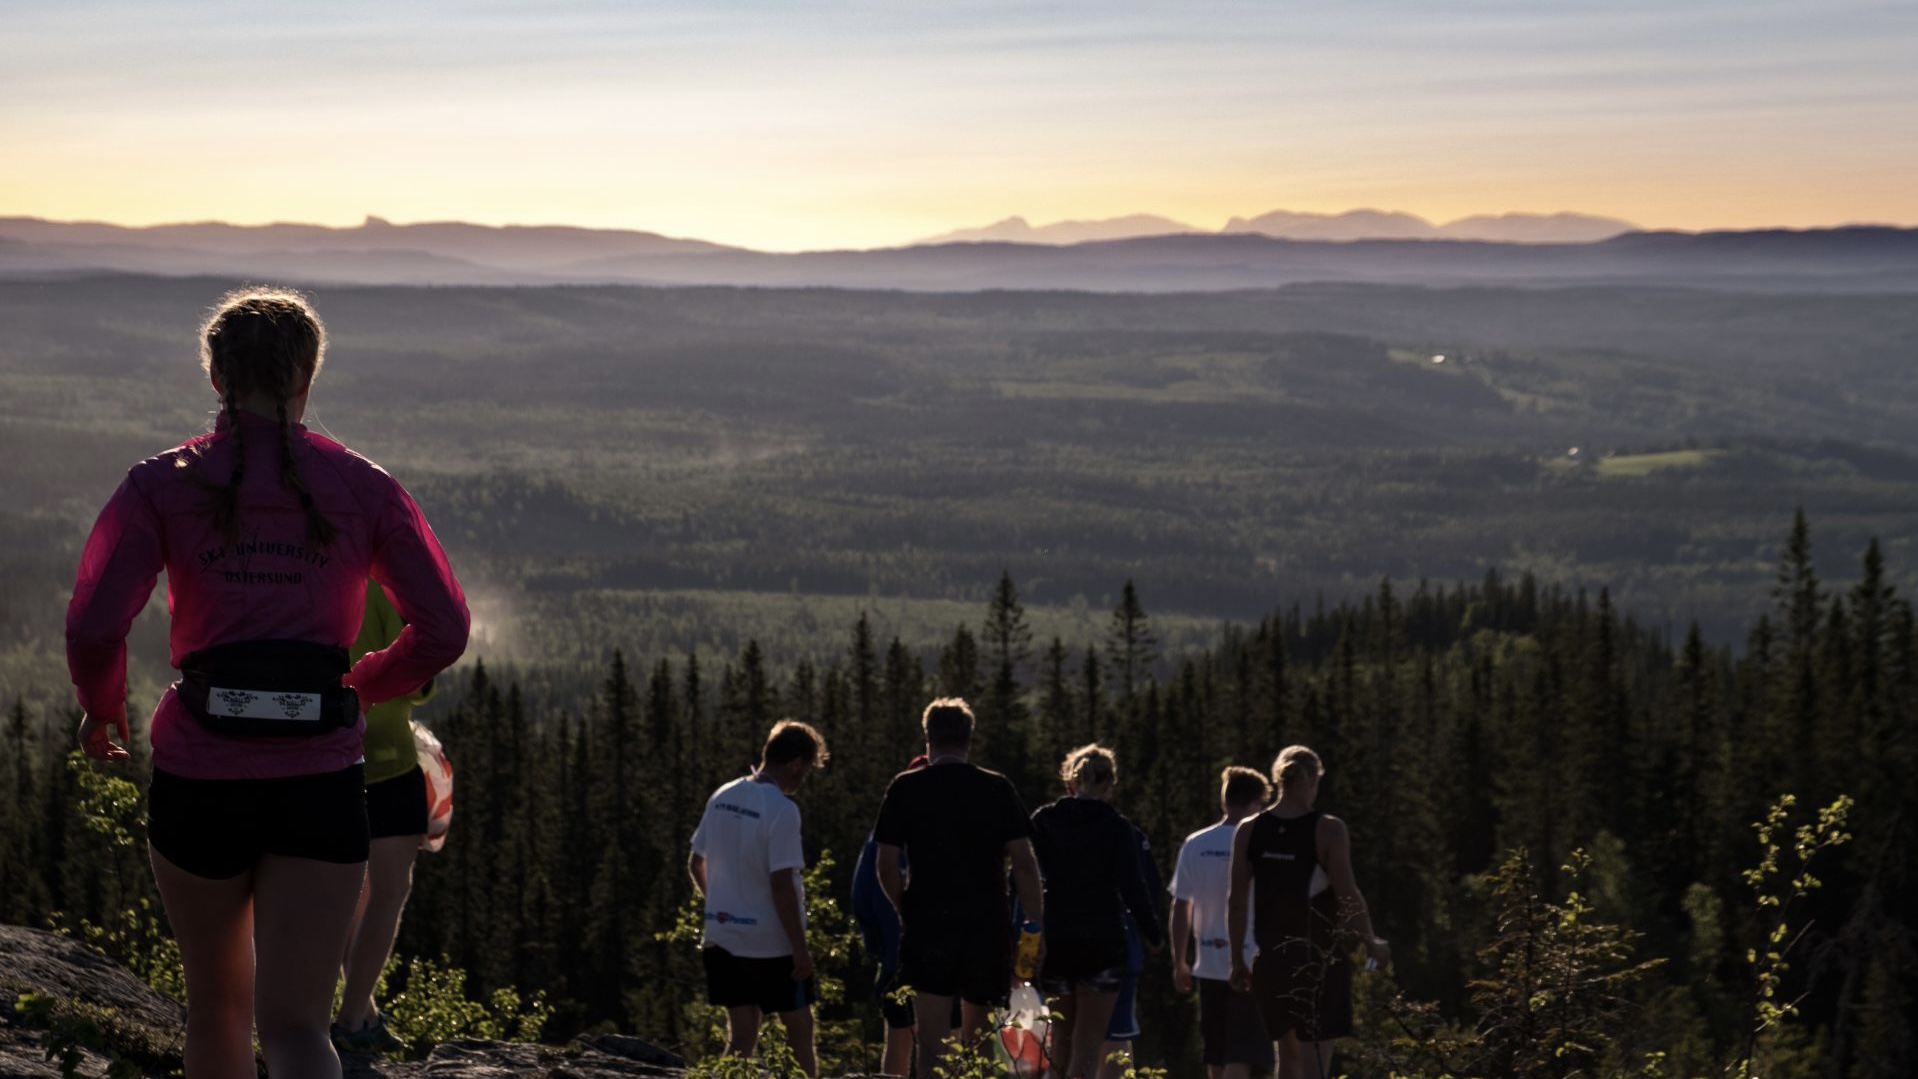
(954, 821)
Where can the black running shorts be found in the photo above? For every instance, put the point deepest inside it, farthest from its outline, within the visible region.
(736, 981)
(1094, 960)
(1232, 1028)
(970, 959)
(1304, 991)
(397, 806)
(218, 828)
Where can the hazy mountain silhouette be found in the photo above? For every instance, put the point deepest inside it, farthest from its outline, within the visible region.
(1018, 231)
(1857, 259)
(513, 247)
(1350, 225)
(1293, 225)
(1536, 228)
(1395, 225)
(1852, 259)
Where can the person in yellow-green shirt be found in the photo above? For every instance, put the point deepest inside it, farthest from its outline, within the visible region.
(396, 818)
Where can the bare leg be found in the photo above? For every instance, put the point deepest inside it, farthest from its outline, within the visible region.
(389, 880)
(213, 922)
(1299, 1059)
(1092, 1012)
(1317, 1058)
(972, 1021)
(742, 1030)
(303, 911)
(798, 1024)
(1233, 1071)
(898, 1056)
(932, 1017)
(1059, 1038)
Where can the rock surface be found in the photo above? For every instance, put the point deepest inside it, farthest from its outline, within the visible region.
(147, 1028)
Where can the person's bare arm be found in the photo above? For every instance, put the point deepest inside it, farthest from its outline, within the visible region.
(1181, 939)
(696, 868)
(1025, 879)
(1238, 904)
(892, 880)
(1335, 853)
(786, 903)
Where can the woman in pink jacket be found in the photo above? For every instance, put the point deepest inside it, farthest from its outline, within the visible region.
(257, 813)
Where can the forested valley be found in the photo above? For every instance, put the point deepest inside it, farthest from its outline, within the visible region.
(1520, 563)
(1479, 736)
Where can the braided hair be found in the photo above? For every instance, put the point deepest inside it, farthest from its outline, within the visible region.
(263, 342)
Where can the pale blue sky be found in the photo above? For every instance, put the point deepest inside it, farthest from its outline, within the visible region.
(813, 124)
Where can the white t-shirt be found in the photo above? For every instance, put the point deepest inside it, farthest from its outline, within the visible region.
(749, 832)
(1204, 876)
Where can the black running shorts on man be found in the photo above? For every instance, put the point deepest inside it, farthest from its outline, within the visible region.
(397, 807)
(1231, 1028)
(734, 981)
(218, 828)
(953, 821)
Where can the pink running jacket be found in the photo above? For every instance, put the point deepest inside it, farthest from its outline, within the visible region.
(269, 586)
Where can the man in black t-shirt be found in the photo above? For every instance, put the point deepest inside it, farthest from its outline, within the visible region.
(958, 825)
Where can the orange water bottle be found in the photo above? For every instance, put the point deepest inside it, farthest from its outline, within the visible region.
(1026, 965)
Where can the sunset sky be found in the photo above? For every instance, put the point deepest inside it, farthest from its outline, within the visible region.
(792, 125)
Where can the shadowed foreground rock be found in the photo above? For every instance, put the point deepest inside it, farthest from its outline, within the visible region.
(146, 1028)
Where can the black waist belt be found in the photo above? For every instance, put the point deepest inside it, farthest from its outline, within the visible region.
(269, 688)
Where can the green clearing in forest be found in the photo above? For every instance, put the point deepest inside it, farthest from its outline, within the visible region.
(1644, 464)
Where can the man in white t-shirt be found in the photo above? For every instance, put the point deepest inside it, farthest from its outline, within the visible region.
(1235, 1042)
(747, 859)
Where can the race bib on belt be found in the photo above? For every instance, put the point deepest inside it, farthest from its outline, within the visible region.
(263, 704)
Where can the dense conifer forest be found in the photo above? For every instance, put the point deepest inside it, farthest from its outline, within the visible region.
(1478, 737)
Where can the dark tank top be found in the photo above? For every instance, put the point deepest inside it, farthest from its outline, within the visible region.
(1284, 852)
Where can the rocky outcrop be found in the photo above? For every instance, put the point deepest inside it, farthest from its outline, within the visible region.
(609, 1057)
(88, 992)
(123, 1018)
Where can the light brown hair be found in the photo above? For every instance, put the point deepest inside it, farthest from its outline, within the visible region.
(1089, 766)
(263, 342)
(1295, 763)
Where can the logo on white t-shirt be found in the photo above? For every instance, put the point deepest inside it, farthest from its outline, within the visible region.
(1203, 876)
(749, 832)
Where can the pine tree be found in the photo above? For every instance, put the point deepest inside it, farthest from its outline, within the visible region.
(1796, 593)
(1057, 718)
(959, 666)
(905, 697)
(22, 888)
(1008, 645)
(612, 925)
(863, 670)
(1131, 649)
(1008, 642)
(1091, 699)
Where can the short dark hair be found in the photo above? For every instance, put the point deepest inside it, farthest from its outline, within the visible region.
(792, 740)
(1242, 786)
(948, 722)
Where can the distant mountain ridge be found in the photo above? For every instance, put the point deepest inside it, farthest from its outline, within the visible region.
(1852, 259)
(1017, 230)
(506, 247)
(1522, 228)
